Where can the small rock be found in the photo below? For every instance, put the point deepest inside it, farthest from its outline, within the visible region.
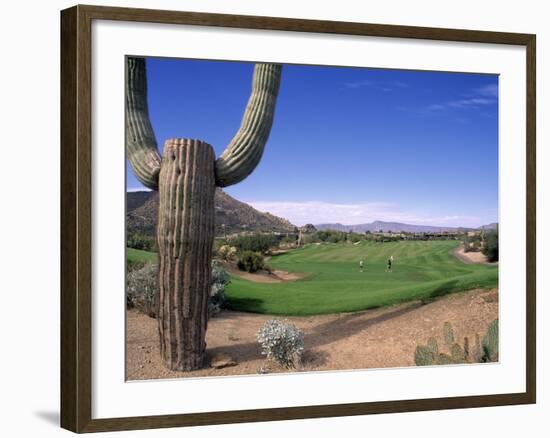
(222, 360)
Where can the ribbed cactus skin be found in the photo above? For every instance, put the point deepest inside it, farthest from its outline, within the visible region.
(141, 146)
(185, 234)
(244, 152)
(186, 180)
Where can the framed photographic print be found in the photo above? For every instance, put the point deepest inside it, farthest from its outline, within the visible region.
(268, 218)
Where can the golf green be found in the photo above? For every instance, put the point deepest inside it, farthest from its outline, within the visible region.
(138, 255)
(333, 282)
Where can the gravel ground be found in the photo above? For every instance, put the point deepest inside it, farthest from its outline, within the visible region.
(376, 338)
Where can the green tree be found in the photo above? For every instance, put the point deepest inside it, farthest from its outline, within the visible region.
(250, 261)
(255, 242)
(490, 249)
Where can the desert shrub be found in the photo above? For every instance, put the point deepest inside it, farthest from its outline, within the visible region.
(330, 236)
(472, 243)
(474, 246)
(250, 261)
(219, 280)
(141, 289)
(141, 241)
(490, 249)
(281, 342)
(255, 242)
(288, 240)
(134, 265)
(227, 252)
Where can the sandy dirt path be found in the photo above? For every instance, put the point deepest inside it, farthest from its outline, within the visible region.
(376, 338)
(471, 257)
(274, 276)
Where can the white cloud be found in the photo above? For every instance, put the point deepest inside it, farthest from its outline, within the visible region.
(359, 84)
(138, 189)
(480, 97)
(490, 90)
(318, 212)
(400, 84)
(378, 85)
(474, 101)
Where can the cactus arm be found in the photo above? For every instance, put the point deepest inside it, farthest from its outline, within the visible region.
(141, 146)
(245, 150)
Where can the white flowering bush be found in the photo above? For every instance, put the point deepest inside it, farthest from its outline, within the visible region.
(220, 279)
(141, 289)
(227, 252)
(281, 342)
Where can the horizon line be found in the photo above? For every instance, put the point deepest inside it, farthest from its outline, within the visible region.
(322, 213)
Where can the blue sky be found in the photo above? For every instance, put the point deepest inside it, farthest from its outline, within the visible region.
(348, 145)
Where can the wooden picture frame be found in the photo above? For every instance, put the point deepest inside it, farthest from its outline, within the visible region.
(76, 217)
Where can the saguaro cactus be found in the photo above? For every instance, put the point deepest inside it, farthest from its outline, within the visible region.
(186, 179)
(141, 146)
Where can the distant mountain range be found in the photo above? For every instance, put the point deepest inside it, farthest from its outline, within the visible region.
(491, 226)
(396, 227)
(231, 216)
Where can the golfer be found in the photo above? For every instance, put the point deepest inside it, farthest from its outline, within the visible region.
(389, 264)
(360, 265)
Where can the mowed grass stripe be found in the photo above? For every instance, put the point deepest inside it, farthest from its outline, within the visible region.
(138, 255)
(333, 283)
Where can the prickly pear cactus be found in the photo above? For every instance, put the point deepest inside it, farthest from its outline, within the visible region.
(448, 334)
(457, 354)
(478, 351)
(484, 351)
(423, 355)
(490, 343)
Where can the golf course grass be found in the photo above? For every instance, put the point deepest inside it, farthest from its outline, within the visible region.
(138, 255)
(332, 283)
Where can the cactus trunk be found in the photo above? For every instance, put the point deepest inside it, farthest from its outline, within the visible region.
(185, 234)
(186, 180)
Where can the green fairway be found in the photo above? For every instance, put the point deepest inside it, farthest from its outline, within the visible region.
(333, 283)
(137, 255)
